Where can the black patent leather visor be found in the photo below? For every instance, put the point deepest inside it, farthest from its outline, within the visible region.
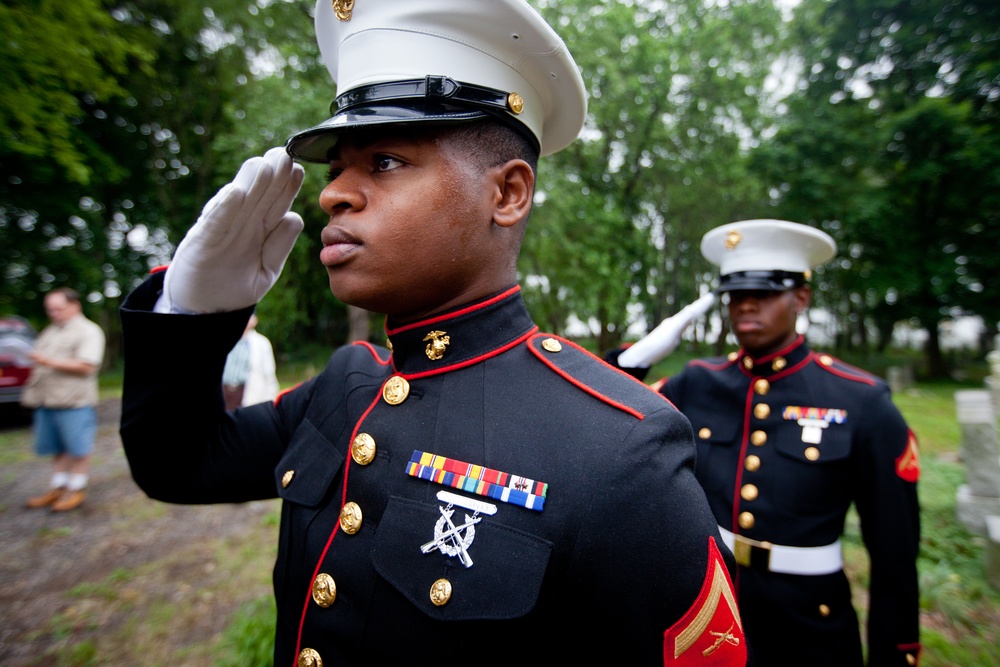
(774, 281)
(431, 100)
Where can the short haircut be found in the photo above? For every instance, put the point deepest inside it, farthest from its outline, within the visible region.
(489, 143)
(68, 293)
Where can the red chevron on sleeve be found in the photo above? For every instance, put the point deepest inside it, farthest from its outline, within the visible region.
(908, 463)
(710, 633)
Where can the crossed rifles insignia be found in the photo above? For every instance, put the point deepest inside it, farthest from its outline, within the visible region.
(454, 540)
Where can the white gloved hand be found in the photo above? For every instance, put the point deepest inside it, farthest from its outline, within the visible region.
(662, 340)
(234, 253)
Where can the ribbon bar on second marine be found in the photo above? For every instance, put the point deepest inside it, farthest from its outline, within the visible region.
(478, 479)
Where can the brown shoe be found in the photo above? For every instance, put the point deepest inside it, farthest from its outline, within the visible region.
(69, 501)
(46, 499)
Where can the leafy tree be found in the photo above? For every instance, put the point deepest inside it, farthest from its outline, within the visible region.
(891, 144)
(675, 97)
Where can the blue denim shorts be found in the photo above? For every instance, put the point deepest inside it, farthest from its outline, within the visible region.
(65, 431)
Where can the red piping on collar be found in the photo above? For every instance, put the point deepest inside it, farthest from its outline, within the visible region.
(468, 362)
(449, 316)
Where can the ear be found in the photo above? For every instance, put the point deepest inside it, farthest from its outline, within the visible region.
(802, 297)
(514, 192)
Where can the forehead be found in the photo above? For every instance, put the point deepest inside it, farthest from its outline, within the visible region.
(56, 300)
(394, 135)
(738, 294)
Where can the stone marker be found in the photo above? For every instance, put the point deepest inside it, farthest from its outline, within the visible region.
(979, 497)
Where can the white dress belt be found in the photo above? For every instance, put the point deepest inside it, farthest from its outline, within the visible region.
(787, 560)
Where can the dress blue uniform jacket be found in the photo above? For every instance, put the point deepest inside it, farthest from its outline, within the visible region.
(771, 480)
(619, 566)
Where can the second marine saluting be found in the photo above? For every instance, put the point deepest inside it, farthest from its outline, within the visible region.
(476, 490)
(787, 439)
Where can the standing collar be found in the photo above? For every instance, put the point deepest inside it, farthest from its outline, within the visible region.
(462, 336)
(776, 362)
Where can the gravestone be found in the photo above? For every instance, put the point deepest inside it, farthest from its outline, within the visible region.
(979, 497)
(993, 379)
(899, 378)
(993, 551)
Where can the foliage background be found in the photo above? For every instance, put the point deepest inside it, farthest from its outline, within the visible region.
(875, 120)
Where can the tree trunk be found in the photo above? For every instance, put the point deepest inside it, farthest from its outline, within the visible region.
(937, 368)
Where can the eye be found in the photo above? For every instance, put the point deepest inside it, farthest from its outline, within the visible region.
(333, 173)
(387, 163)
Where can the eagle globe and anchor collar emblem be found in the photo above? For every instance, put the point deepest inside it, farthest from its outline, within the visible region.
(438, 343)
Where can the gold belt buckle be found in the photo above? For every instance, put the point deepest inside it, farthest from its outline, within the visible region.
(743, 548)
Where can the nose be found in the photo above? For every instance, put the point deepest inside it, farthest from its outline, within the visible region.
(343, 193)
(744, 300)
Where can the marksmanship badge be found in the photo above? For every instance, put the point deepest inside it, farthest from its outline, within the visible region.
(452, 540)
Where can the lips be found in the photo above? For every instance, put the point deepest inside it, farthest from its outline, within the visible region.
(746, 326)
(338, 246)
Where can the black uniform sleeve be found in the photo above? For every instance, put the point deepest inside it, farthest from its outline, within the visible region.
(181, 444)
(890, 524)
(661, 575)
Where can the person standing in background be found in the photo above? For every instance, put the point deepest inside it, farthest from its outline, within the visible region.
(63, 393)
(787, 440)
(249, 376)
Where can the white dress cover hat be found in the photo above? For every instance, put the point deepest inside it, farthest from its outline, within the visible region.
(766, 254)
(444, 62)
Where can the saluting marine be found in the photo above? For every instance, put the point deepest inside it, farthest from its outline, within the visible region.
(476, 491)
(787, 439)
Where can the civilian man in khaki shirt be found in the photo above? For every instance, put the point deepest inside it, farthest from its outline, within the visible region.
(63, 392)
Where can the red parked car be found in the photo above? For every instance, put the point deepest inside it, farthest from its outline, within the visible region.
(17, 338)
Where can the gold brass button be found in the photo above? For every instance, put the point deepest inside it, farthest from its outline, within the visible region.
(758, 438)
(309, 658)
(752, 463)
(749, 492)
(705, 433)
(551, 345)
(396, 390)
(911, 659)
(746, 520)
(388, 344)
(324, 590)
(778, 364)
(350, 518)
(824, 610)
(440, 592)
(286, 479)
(761, 387)
(812, 453)
(826, 360)
(733, 356)
(515, 103)
(762, 411)
(747, 363)
(363, 449)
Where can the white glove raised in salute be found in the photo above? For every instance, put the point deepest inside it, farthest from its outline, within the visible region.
(662, 340)
(234, 253)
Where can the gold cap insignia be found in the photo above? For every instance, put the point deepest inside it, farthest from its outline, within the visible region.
(439, 340)
(343, 9)
(733, 239)
(515, 103)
